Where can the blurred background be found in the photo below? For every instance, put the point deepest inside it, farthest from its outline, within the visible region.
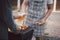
(17, 3)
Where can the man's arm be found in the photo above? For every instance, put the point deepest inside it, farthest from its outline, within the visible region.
(24, 5)
(50, 8)
(49, 11)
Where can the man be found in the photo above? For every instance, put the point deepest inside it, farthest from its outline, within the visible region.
(37, 15)
(6, 20)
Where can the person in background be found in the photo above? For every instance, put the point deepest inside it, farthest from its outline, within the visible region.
(6, 20)
(37, 15)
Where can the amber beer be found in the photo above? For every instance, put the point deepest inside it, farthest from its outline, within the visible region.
(21, 18)
(19, 21)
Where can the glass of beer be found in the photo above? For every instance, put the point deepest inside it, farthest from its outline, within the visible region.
(21, 18)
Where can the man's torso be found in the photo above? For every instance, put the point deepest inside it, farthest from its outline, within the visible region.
(36, 10)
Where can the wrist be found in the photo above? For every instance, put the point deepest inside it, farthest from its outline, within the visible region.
(44, 19)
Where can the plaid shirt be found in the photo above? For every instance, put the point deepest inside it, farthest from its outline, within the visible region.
(35, 13)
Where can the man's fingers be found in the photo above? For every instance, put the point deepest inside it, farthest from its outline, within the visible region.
(24, 27)
(39, 23)
(36, 22)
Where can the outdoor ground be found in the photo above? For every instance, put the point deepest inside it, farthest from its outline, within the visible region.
(53, 24)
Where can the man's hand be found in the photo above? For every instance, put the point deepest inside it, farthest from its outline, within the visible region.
(24, 26)
(40, 23)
